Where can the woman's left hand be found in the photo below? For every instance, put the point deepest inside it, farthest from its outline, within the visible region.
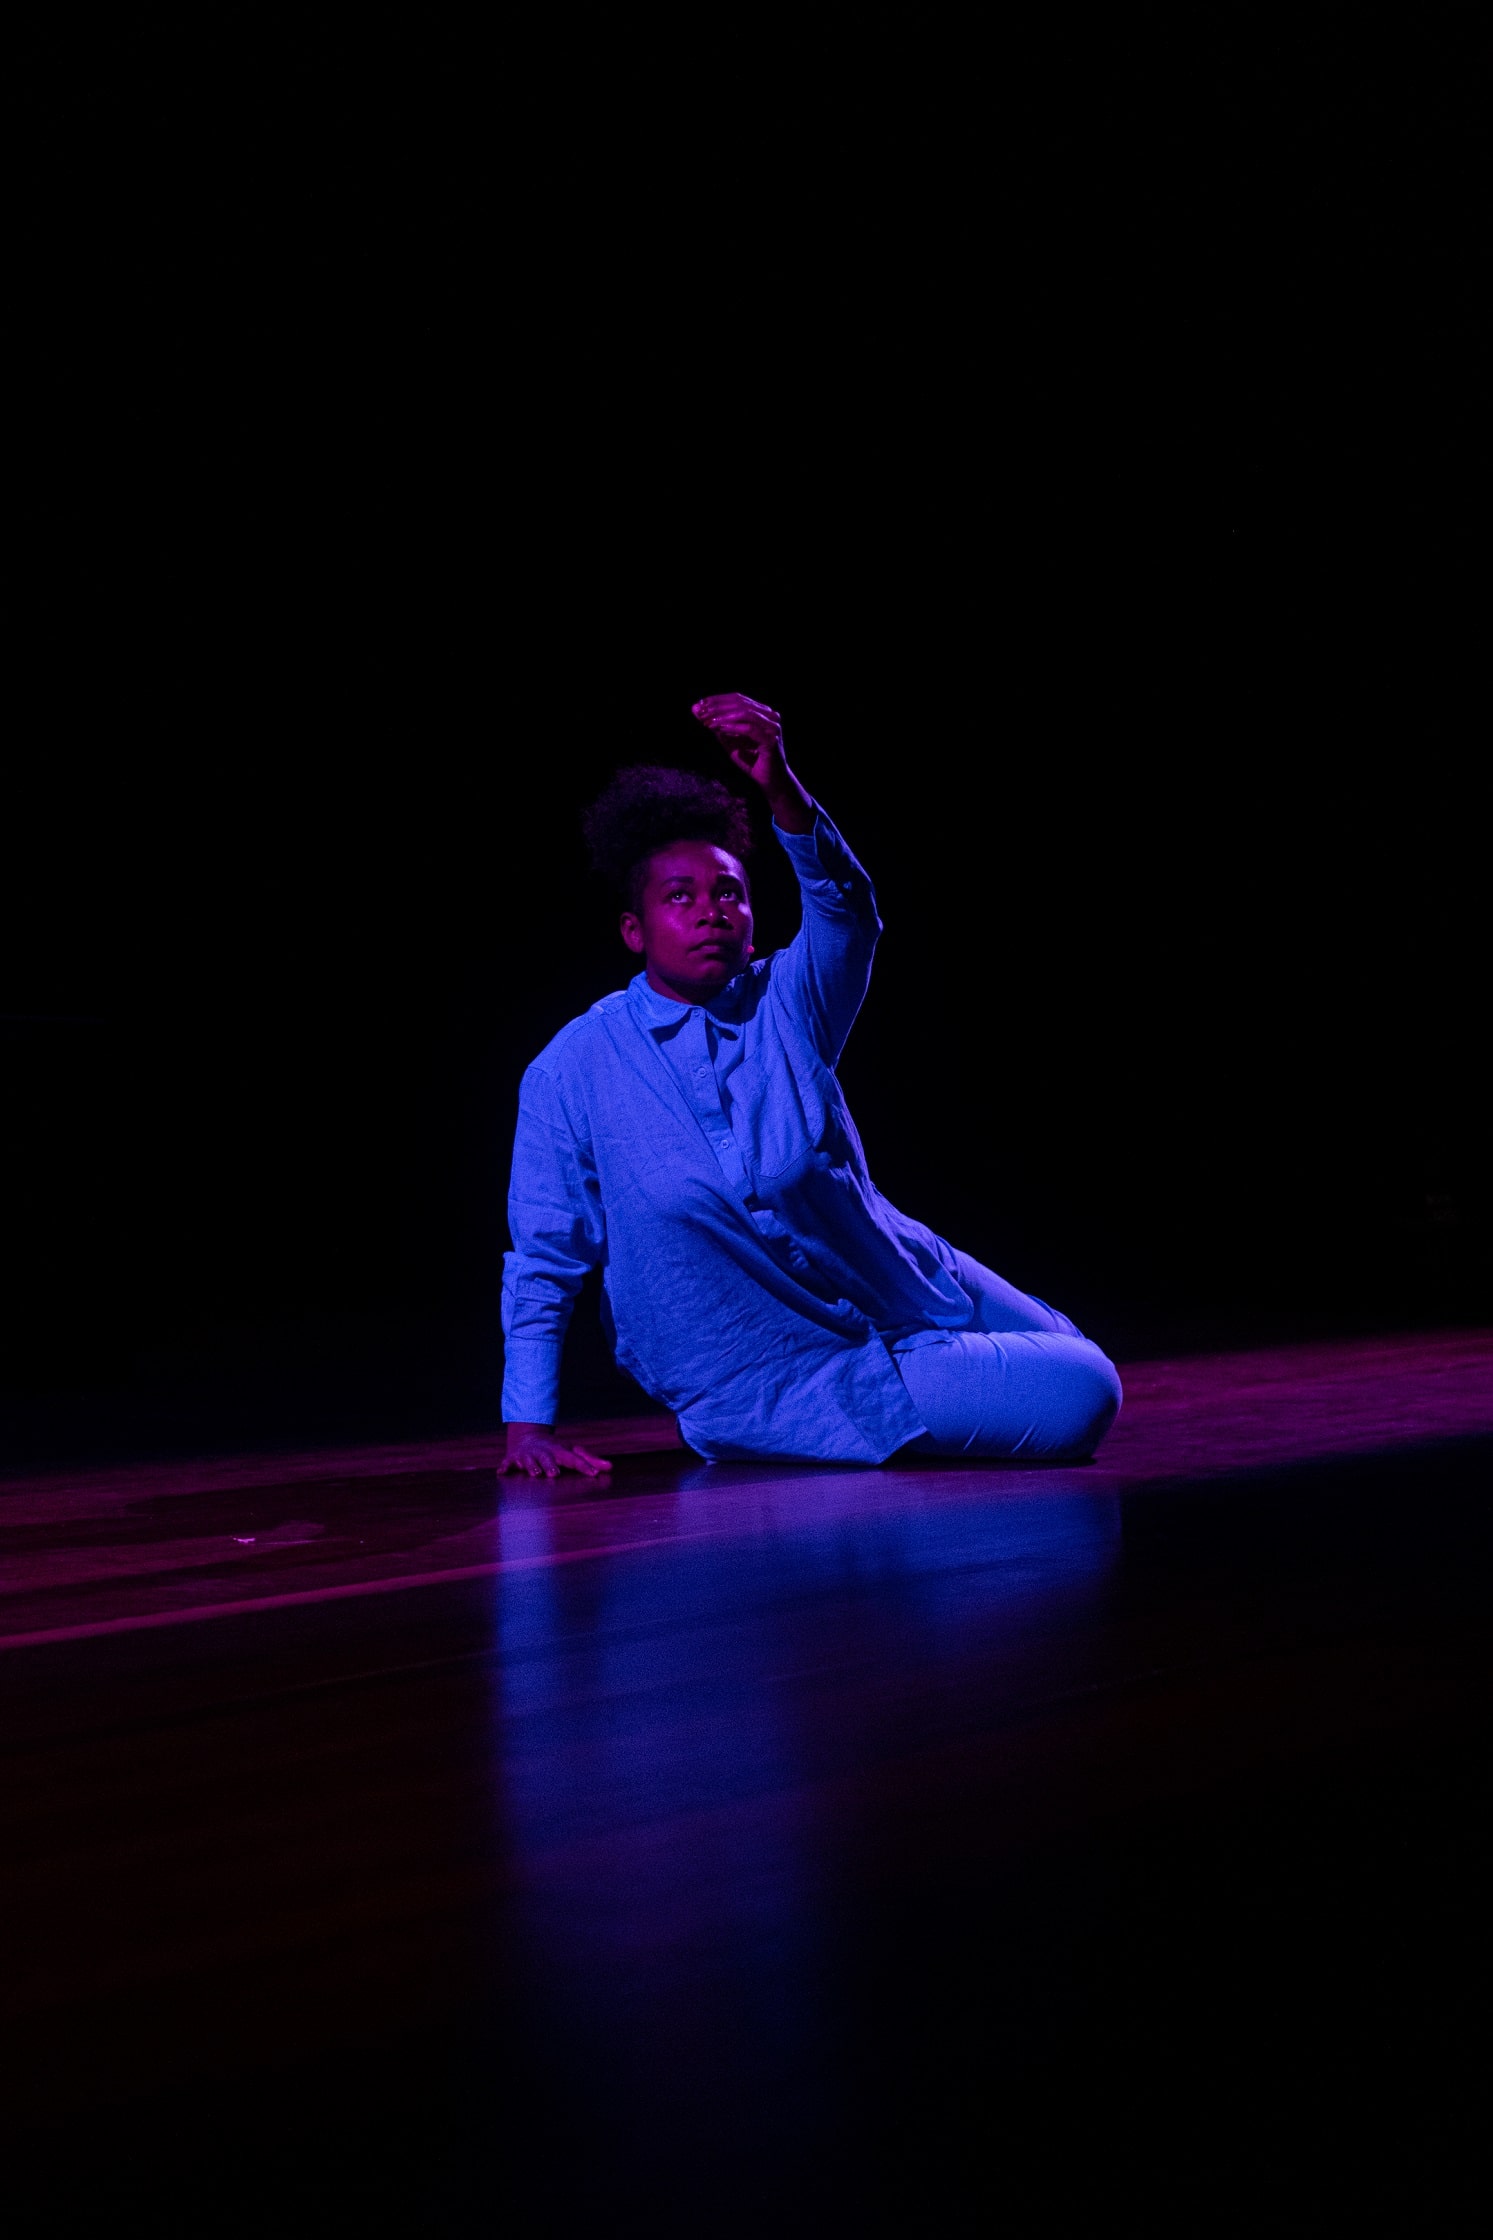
(753, 734)
(753, 737)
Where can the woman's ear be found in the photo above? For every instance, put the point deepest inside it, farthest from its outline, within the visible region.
(632, 932)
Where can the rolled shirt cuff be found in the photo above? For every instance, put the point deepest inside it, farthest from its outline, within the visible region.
(531, 1381)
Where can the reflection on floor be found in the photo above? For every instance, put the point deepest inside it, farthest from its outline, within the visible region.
(754, 1847)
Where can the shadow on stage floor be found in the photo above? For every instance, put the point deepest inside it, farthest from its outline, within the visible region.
(760, 1848)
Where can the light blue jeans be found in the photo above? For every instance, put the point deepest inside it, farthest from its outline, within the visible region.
(1020, 1381)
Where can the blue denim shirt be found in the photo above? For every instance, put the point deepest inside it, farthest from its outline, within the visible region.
(702, 1155)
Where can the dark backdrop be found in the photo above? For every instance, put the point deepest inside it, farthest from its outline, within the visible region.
(1079, 444)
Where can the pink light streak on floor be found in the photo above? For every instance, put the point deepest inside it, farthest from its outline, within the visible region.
(140, 1546)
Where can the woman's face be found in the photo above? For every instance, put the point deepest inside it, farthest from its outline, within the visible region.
(694, 930)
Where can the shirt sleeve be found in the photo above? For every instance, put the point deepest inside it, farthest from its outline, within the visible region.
(558, 1229)
(824, 972)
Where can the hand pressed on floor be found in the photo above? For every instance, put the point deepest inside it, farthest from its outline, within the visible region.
(535, 1452)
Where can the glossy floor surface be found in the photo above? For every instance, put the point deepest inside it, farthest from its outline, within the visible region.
(759, 1848)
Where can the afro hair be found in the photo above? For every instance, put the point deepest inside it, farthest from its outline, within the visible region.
(647, 808)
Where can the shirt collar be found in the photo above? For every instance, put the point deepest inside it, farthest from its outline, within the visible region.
(661, 1013)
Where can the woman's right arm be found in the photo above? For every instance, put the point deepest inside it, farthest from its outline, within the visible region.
(555, 1215)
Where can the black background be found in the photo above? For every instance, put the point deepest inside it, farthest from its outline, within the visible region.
(1076, 434)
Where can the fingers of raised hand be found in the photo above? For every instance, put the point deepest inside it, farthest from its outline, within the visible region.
(725, 707)
(749, 732)
(761, 722)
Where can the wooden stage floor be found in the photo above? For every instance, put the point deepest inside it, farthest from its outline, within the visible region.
(764, 1848)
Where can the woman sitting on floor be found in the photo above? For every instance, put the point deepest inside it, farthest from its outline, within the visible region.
(689, 1136)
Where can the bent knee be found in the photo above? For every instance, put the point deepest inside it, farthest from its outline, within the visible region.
(1085, 1401)
(1040, 1395)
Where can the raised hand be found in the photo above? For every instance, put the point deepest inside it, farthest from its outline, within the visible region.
(752, 735)
(535, 1452)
